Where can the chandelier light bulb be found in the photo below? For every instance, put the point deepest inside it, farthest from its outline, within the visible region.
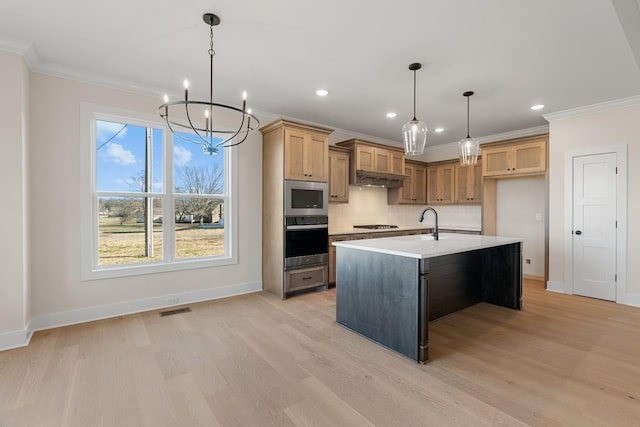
(186, 84)
(165, 98)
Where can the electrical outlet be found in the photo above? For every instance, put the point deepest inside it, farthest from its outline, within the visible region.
(173, 301)
(527, 261)
(538, 217)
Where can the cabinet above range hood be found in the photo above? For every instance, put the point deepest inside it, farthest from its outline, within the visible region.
(375, 164)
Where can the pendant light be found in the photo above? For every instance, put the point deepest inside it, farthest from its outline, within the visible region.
(197, 118)
(414, 132)
(468, 148)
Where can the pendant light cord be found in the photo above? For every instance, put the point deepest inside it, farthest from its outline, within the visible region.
(468, 116)
(414, 95)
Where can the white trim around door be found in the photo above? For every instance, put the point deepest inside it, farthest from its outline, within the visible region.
(621, 208)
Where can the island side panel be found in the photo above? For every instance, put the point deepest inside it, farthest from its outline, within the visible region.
(502, 275)
(454, 282)
(377, 296)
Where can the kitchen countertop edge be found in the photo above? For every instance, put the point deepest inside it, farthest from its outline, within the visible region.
(416, 248)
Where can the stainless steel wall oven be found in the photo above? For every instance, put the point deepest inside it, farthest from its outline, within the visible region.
(305, 241)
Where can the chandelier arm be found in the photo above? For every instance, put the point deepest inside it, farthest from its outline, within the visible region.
(224, 143)
(194, 128)
(245, 132)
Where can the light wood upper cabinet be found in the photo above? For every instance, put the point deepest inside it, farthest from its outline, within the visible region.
(369, 159)
(376, 159)
(441, 184)
(338, 175)
(469, 184)
(414, 190)
(516, 158)
(306, 155)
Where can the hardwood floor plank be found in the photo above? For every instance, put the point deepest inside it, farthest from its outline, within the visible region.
(257, 360)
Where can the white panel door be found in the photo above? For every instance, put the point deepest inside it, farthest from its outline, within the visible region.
(594, 226)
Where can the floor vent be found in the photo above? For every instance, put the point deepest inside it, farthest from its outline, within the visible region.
(176, 311)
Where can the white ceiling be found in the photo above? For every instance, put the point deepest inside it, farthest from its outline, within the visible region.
(512, 53)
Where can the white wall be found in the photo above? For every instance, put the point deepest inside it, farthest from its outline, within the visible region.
(59, 296)
(607, 125)
(14, 278)
(520, 212)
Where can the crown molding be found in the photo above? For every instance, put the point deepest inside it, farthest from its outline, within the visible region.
(632, 101)
(35, 64)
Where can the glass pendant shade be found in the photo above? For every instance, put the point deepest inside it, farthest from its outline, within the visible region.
(468, 148)
(468, 151)
(414, 135)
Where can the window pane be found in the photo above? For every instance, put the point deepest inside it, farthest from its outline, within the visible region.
(196, 172)
(199, 227)
(121, 151)
(125, 236)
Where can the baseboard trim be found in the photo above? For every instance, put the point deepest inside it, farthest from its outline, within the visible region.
(15, 339)
(72, 317)
(534, 278)
(630, 299)
(554, 286)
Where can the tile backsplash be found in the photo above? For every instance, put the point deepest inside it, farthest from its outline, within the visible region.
(368, 205)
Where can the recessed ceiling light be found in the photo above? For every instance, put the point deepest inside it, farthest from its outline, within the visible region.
(537, 107)
(322, 92)
(439, 130)
(391, 115)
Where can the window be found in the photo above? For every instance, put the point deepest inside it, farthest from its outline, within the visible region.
(153, 202)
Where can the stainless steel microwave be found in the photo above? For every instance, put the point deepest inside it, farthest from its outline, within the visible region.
(304, 198)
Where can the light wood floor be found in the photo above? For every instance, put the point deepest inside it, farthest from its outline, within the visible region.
(257, 361)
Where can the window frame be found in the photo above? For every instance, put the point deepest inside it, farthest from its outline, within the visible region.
(90, 270)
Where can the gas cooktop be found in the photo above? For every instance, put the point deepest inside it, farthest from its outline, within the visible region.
(376, 226)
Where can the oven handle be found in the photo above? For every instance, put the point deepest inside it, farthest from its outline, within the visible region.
(307, 227)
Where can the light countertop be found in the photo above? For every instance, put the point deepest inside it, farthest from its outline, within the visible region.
(422, 246)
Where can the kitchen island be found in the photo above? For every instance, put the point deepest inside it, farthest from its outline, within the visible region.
(388, 289)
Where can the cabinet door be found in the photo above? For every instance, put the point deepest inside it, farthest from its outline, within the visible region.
(317, 158)
(441, 184)
(364, 158)
(432, 185)
(529, 157)
(475, 186)
(419, 184)
(468, 184)
(406, 191)
(463, 174)
(496, 161)
(338, 177)
(382, 160)
(446, 180)
(294, 154)
(397, 165)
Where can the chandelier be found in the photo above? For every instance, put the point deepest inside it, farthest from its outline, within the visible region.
(193, 121)
(414, 132)
(468, 148)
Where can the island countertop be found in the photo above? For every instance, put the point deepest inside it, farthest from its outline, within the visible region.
(423, 246)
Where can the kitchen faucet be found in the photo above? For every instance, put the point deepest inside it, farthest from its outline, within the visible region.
(435, 228)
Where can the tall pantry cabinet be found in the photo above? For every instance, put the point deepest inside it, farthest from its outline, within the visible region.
(290, 150)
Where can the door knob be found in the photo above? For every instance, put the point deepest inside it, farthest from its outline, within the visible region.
(578, 232)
